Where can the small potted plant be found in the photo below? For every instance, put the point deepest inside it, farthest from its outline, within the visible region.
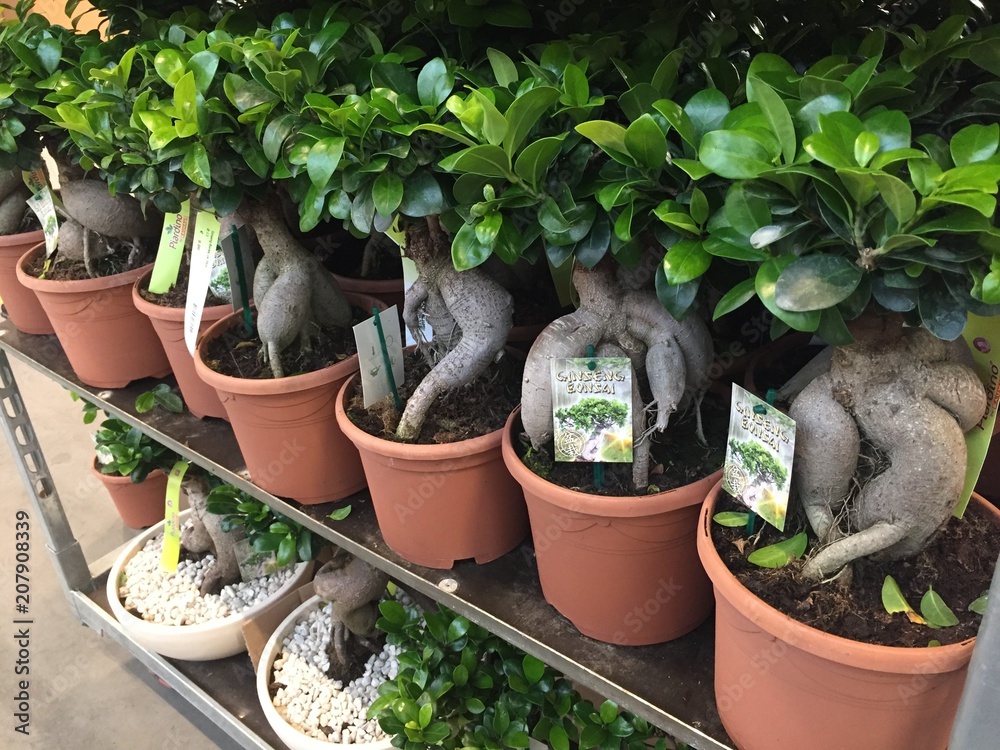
(857, 226)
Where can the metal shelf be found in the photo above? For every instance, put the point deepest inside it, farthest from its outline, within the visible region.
(670, 685)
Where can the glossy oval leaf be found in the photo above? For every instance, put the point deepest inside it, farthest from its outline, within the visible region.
(975, 143)
(979, 605)
(892, 597)
(686, 261)
(646, 143)
(387, 193)
(195, 165)
(780, 554)
(936, 612)
(435, 83)
(816, 282)
(736, 297)
(731, 518)
(323, 159)
(734, 155)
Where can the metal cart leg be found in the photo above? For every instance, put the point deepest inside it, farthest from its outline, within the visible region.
(71, 565)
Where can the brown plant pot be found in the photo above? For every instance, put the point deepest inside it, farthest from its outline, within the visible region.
(286, 427)
(107, 341)
(139, 505)
(436, 504)
(22, 305)
(389, 291)
(623, 569)
(782, 684)
(522, 337)
(168, 322)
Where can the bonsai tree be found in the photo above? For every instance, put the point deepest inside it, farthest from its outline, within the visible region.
(850, 227)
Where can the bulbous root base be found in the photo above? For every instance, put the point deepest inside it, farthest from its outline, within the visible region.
(674, 356)
(295, 295)
(469, 312)
(207, 535)
(902, 392)
(353, 588)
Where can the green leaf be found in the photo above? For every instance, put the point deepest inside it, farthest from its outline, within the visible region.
(145, 402)
(734, 154)
(699, 207)
(203, 65)
(488, 228)
(686, 261)
(645, 142)
(395, 77)
(609, 712)
(767, 236)
(558, 738)
(940, 312)
(780, 554)
(706, 111)
(435, 83)
(678, 120)
(892, 128)
(474, 706)
(458, 628)
(323, 159)
(608, 136)
(169, 65)
(745, 211)
(504, 69)
(736, 297)
(533, 162)
(186, 99)
(467, 251)
(816, 282)
(196, 166)
(533, 668)
(765, 283)
(979, 605)
(936, 612)
(49, 53)
(387, 192)
(865, 148)
(287, 551)
(897, 196)
(776, 113)
(340, 513)
(731, 519)
(168, 400)
(425, 714)
(892, 597)
(422, 196)
(975, 143)
(484, 160)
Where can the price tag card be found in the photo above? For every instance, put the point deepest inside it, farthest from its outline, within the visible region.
(759, 455)
(592, 409)
(171, 553)
(203, 252)
(375, 383)
(171, 250)
(44, 207)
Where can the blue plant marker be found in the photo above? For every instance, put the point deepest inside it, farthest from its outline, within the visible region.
(760, 409)
(386, 361)
(241, 280)
(598, 466)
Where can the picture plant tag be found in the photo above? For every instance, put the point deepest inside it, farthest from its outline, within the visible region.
(375, 384)
(171, 554)
(592, 409)
(35, 180)
(203, 252)
(983, 337)
(171, 250)
(44, 207)
(759, 455)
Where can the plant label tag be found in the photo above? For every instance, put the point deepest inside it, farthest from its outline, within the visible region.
(592, 409)
(35, 180)
(983, 337)
(171, 250)
(171, 554)
(375, 384)
(203, 252)
(759, 455)
(44, 207)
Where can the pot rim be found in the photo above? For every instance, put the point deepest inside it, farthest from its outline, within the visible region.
(10, 240)
(409, 451)
(173, 314)
(273, 386)
(895, 659)
(78, 286)
(368, 286)
(610, 506)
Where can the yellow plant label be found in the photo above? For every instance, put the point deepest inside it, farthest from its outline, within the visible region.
(171, 250)
(171, 554)
(983, 337)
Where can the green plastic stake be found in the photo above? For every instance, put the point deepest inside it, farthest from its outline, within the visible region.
(598, 466)
(386, 361)
(241, 280)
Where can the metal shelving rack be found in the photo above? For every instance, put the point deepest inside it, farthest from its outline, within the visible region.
(670, 685)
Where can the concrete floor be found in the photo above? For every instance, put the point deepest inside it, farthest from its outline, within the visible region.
(85, 690)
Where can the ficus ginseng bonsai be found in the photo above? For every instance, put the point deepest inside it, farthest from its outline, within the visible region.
(850, 227)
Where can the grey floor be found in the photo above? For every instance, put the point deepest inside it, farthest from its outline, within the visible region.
(85, 690)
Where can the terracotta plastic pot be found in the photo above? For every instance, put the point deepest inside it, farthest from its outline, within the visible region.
(139, 505)
(168, 322)
(436, 504)
(21, 303)
(780, 683)
(107, 341)
(389, 291)
(622, 569)
(522, 337)
(286, 428)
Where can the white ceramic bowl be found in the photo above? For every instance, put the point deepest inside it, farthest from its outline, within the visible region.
(217, 639)
(288, 734)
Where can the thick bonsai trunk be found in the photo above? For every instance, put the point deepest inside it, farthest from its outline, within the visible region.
(293, 293)
(618, 321)
(207, 535)
(900, 390)
(470, 315)
(353, 588)
(13, 194)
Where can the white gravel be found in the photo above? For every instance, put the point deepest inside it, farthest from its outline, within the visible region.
(312, 702)
(173, 598)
